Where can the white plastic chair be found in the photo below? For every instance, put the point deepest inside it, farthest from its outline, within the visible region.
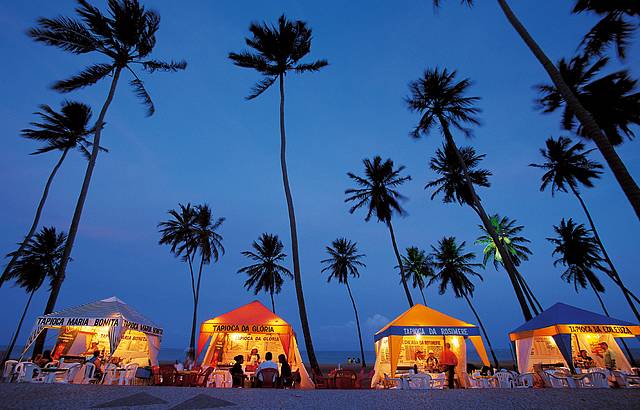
(222, 379)
(70, 375)
(8, 370)
(392, 382)
(595, 380)
(439, 381)
(89, 373)
(29, 373)
(556, 379)
(524, 381)
(505, 379)
(109, 374)
(627, 381)
(472, 382)
(419, 382)
(128, 376)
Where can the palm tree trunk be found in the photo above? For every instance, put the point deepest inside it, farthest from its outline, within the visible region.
(423, 298)
(36, 219)
(589, 124)
(273, 303)
(77, 214)
(364, 364)
(528, 295)
(613, 274)
(512, 272)
(7, 355)
(402, 275)
(484, 332)
(194, 323)
(606, 312)
(297, 278)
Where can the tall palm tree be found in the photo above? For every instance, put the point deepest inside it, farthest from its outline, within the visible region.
(267, 274)
(509, 235)
(568, 167)
(344, 261)
(441, 101)
(126, 36)
(59, 131)
(39, 259)
(453, 268)
(613, 29)
(419, 267)
(589, 124)
(278, 51)
(578, 251)
(613, 99)
(377, 191)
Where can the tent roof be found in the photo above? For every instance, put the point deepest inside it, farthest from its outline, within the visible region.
(420, 315)
(254, 313)
(562, 314)
(106, 308)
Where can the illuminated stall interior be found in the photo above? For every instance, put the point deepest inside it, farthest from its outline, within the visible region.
(252, 327)
(109, 325)
(407, 340)
(555, 337)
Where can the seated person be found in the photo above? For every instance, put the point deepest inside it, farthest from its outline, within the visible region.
(432, 362)
(237, 375)
(286, 378)
(584, 361)
(93, 348)
(43, 360)
(267, 364)
(95, 360)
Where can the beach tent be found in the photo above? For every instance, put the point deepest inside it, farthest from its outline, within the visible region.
(252, 326)
(560, 332)
(406, 339)
(112, 325)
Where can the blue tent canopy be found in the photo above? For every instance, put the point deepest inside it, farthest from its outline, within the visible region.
(562, 314)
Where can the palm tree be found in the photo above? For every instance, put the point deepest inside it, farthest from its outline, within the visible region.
(509, 235)
(613, 99)
(126, 36)
(612, 29)
(59, 131)
(453, 267)
(39, 259)
(278, 51)
(419, 267)
(589, 124)
(377, 191)
(568, 166)
(267, 273)
(344, 261)
(441, 101)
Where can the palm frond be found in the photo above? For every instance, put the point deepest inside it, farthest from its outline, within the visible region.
(88, 76)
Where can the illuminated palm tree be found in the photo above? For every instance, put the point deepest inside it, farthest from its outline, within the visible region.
(377, 192)
(126, 36)
(39, 259)
(419, 267)
(59, 131)
(568, 167)
(267, 273)
(591, 127)
(344, 261)
(278, 51)
(453, 268)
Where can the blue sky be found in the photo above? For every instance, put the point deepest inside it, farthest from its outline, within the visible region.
(207, 144)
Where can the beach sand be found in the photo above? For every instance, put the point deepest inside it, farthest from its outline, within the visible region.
(34, 396)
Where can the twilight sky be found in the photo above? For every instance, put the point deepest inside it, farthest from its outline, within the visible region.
(207, 144)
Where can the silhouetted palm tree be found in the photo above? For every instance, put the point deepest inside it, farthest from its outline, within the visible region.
(514, 244)
(589, 124)
(126, 36)
(453, 267)
(419, 267)
(59, 131)
(278, 51)
(267, 273)
(569, 166)
(39, 259)
(613, 99)
(377, 191)
(344, 261)
(613, 29)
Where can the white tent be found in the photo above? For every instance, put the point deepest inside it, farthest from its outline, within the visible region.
(110, 324)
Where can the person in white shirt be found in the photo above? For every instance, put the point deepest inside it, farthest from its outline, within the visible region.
(267, 364)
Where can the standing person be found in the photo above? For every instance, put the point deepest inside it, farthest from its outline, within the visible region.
(450, 361)
(608, 355)
(286, 378)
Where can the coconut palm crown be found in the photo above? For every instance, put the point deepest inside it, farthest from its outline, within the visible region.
(343, 261)
(509, 234)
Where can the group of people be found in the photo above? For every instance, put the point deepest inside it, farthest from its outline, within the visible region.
(606, 355)
(446, 363)
(280, 375)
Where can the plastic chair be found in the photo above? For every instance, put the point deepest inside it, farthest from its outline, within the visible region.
(321, 382)
(594, 380)
(391, 382)
(203, 377)
(345, 379)
(167, 375)
(419, 382)
(627, 381)
(505, 379)
(524, 381)
(556, 380)
(222, 379)
(70, 374)
(8, 370)
(267, 377)
(109, 375)
(128, 376)
(439, 382)
(29, 373)
(89, 373)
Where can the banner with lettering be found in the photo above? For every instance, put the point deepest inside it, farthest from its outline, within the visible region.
(243, 328)
(428, 331)
(48, 321)
(614, 330)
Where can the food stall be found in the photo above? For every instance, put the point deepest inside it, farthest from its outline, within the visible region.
(111, 326)
(250, 330)
(407, 340)
(556, 336)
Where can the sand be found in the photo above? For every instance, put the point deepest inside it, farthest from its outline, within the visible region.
(34, 396)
